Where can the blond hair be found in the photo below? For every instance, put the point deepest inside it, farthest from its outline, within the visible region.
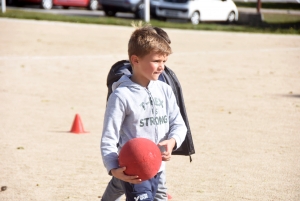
(145, 40)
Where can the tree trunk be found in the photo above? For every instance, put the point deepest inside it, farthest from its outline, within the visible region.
(258, 6)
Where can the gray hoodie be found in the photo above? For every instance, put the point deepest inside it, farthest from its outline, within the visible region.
(134, 111)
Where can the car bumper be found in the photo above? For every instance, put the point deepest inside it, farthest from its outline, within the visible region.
(166, 12)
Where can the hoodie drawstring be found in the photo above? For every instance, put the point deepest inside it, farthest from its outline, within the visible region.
(151, 99)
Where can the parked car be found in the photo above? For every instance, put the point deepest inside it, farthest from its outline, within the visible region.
(198, 10)
(111, 7)
(48, 4)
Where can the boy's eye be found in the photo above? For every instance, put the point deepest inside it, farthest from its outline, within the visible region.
(159, 61)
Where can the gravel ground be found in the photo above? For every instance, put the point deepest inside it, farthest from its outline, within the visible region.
(242, 93)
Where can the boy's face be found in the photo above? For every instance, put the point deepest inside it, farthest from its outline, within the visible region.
(148, 67)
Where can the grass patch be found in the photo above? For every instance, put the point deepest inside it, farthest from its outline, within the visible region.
(267, 27)
(291, 6)
(19, 14)
(280, 18)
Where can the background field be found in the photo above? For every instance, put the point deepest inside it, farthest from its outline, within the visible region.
(242, 93)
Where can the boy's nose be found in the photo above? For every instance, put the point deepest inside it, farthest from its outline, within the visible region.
(161, 66)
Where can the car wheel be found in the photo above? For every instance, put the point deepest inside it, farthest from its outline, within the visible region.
(19, 3)
(109, 13)
(10, 2)
(231, 17)
(195, 18)
(47, 4)
(153, 15)
(140, 12)
(163, 19)
(93, 5)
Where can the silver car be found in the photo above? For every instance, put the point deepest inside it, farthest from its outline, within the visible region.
(111, 7)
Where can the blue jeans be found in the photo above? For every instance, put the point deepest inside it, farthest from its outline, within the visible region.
(115, 190)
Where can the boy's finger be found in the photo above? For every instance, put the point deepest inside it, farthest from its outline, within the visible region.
(166, 157)
(128, 177)
(121, 169)
(133, 177)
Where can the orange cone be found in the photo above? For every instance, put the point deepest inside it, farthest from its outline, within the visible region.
(77, 125)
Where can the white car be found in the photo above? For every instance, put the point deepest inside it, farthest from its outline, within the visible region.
(198, 10)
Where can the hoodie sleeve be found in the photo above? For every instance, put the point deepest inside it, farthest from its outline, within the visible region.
(177, 126)
(113, 118)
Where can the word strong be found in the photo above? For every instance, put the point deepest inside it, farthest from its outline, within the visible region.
(153, 121)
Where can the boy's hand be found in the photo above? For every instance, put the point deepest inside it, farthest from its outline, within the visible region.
(119, 173)
(168, 145)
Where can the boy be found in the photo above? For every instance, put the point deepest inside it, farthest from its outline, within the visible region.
(131, 111)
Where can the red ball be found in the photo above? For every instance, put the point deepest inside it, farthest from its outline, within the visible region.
(141, 157)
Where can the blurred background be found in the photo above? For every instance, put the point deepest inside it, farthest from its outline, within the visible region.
(263, 15)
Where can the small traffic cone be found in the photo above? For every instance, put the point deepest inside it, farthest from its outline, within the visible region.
(169, 196)
(77, 125)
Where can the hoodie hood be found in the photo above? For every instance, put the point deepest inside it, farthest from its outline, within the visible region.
(125, 81)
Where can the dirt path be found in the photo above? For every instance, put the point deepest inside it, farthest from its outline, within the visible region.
(242, 93)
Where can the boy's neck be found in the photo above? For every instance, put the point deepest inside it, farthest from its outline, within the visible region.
(140, 80)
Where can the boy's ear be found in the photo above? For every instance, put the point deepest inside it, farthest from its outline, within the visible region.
(134, 59)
